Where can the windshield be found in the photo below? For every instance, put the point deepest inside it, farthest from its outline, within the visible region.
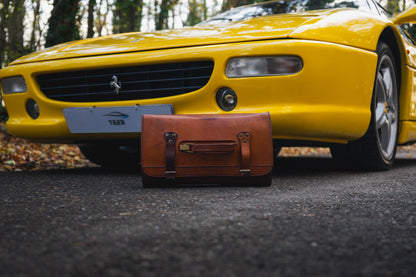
(285, 6)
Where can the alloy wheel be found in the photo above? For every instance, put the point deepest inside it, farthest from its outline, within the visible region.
(386, 110)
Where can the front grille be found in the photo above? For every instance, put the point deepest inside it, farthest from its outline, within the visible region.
(137, 82)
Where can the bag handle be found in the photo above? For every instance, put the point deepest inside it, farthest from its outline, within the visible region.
(208, 147)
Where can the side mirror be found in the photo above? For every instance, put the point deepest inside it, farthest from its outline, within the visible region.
(408, 16)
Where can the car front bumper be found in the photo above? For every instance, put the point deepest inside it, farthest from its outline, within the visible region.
(328, 100)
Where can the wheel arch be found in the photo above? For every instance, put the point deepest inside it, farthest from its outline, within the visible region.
(392, 39)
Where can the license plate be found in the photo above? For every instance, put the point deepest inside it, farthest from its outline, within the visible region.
(127, 119)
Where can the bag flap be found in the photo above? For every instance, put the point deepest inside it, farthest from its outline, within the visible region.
(215, 133)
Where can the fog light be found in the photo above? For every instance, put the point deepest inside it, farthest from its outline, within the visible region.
(32, 108)
(226, 99)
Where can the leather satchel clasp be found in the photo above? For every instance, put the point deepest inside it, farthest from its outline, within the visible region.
(186, 147)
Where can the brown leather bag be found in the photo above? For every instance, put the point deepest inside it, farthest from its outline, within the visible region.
(221, 149)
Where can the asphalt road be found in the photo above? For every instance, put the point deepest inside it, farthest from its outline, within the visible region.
(317, 219)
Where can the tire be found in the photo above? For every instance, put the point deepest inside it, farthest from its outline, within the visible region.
(113, 156)
(376, 150)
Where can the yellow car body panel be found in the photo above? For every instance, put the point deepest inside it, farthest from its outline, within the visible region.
(407, 130)
(408, 16)
(255, 29)
(316, 103)
(348, 27)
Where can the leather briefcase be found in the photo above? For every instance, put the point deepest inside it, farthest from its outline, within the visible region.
(232, 149)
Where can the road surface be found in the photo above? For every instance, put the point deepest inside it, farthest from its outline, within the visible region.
(317, 219)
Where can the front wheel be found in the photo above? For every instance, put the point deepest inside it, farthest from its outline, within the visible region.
(376, 150)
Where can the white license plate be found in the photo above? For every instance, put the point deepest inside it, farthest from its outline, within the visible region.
(127, 119)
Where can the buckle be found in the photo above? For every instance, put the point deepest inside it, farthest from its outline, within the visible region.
(186, 147)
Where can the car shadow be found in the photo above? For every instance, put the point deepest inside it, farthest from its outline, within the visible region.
(286, 166)
(283, 166)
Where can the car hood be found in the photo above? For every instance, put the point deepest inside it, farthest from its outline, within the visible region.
(269, 27)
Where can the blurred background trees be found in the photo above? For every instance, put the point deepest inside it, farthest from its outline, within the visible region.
(63, 22)
(127, 16)
(30, 25)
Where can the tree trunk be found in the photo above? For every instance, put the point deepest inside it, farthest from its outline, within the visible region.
(3, 25)
(35, 26)
(63, 22)
(162, 17)
(101, 18)
(91, 6)
(15, 29)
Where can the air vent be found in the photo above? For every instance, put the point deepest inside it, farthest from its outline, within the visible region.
(137, 82)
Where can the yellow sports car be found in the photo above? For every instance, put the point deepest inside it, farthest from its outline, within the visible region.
(335, 73)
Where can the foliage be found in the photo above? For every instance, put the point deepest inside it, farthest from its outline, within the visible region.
(18, 154)
(228, 4)
(393, 6)
(197, 12)
(127, 16)
(162, 15)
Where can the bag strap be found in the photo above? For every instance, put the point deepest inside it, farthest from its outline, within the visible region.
(244, 138)
(170, 139)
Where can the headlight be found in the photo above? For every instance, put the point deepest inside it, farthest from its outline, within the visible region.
(14, 84)
(263, 66)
